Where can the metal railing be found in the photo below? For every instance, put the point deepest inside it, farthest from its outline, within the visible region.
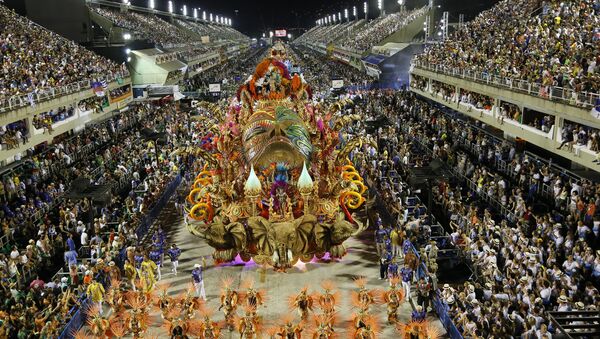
(554, 93)
(33, 98)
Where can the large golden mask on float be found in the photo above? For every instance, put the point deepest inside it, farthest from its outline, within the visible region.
(276, 134)
(277, 185)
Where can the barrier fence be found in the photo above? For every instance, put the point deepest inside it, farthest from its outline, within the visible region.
(78, 313)
(34, 98)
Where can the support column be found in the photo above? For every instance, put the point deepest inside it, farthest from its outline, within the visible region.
(558, 125)
(496, 108)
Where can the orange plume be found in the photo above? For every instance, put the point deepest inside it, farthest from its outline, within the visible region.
(328, 285)
(247, 283)
(227, 282)
(118, 329)
(360, 282)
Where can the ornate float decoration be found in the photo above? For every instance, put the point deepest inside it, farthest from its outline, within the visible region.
(277, 185)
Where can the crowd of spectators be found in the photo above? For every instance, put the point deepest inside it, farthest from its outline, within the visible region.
(13, 134)
(319, 71)
(147, 26)
(230, 74)
(213, 32)
(527, 260)
(45, 120)
(551, 43)
(40, 225)
(159, 30)
(379, 29)
(120, 91)
(35, 60)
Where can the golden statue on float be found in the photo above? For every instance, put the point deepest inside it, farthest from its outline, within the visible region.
(277, 186)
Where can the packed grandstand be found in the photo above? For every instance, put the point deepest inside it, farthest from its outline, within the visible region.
(203, 183)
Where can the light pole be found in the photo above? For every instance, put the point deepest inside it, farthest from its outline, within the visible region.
(346, 14)
(354, 12)
(366, 10)
(380, 7)
(401, 3)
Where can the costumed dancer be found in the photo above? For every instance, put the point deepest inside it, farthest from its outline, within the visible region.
(287, 329)
(328, 300)
(190, 304)
(419, 329)
(303, 302)
(229, 302)
(366, 328)
(364, 296)
(156, 256)
(174, 252)
(96, 292)
(210, 329)
(138, 258)
(165, 302)
(147, 271)
(393, 298)
(252, 297)
(96, 322)
(131, 273)
(418, 314)
(114, 296)
(323, 328)
(158, 241)
(407, 275)
(198, 280)
(249, 324)
(137, 316)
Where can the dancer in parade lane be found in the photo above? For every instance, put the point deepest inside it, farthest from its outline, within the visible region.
(174, 252)
(198, 280)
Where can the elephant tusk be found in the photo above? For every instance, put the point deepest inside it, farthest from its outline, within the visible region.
(361, 228)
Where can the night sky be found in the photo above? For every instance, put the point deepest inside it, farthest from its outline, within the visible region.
(254, 17)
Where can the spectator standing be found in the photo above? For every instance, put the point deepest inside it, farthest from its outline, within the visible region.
(423, 292)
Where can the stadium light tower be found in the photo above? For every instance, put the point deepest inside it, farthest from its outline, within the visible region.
(270, 34)
(151, 4)
(170, 6)
(340, 17)
(217, 19)
(401, 3)
(184, 10)
(196, 13)
(380, 7)
(210, 16)
(354, 12)
(366, 10)
(346, 14)
(204, 15)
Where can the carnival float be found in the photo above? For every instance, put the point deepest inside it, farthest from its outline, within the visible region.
(277, 185)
